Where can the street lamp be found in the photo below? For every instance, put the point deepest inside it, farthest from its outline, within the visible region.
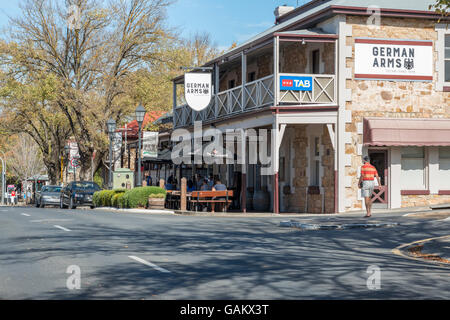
(111, 130)
(3, 179)
(140, 114)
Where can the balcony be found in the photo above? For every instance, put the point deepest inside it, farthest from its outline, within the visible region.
(259, 94)
(323, 90)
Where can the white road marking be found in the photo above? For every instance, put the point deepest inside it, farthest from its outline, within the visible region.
(147, 263)
(50, 220)
(62, 228)
(26, 215)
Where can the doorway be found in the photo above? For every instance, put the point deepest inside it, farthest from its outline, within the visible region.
(380, 196)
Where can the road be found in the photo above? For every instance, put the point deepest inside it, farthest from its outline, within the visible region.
(148, 256)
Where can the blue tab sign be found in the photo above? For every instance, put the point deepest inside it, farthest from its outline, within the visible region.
(293, 83)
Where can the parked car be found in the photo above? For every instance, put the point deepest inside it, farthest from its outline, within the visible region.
(49, 195)
(78, 193)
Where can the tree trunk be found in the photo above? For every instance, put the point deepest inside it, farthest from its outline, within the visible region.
(86, 169)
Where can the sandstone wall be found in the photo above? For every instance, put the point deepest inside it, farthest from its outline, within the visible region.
(424, 200)
(296, 202)
(394, 99)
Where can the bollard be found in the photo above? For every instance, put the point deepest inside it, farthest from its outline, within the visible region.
(183, 194)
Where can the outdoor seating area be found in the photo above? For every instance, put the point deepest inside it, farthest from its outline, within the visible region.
(211, 201)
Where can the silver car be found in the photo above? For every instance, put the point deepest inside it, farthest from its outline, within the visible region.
(49, 195)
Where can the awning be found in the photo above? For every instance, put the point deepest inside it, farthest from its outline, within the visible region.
(406, 132)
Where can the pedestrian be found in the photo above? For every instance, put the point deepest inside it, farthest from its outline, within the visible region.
(29, 195)
(211, 182)
(367, 184)
(219, 186)
(205, 186)
(13, 197)
(190, 186)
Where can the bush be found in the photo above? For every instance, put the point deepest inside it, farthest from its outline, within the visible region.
(104, 198)
(138, 197)
(120, 201)
(96, 199)
(116, 199)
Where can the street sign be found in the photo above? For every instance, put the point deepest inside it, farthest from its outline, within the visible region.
(296, 83)
(75, 162)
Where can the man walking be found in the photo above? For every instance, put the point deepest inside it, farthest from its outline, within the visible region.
(367, 184)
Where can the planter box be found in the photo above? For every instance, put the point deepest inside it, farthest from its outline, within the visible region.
(156, 203)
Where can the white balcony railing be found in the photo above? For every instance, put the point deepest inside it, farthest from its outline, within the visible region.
(259, 94)
(323, 90)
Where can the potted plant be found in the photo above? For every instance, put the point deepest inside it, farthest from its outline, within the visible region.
(156, 201)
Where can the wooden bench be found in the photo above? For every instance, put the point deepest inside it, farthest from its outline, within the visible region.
(212, 197)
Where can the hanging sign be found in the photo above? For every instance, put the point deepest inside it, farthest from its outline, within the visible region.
(399, 60)
(197, 90)
(117, 148)
(73, 154)
(150, 144)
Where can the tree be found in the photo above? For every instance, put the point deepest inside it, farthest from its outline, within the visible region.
(29, 107)
(24, 159)
(93, 59)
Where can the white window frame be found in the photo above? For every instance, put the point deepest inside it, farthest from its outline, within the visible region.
(446, 35)
(441, 185)
(426, 185)
(442, 31)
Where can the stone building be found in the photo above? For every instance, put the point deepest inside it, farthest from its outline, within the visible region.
(334, 81)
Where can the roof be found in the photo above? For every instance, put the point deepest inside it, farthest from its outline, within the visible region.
(133, 126)
(315, 11)
(406, 132)
(313, 32)
(38, 177)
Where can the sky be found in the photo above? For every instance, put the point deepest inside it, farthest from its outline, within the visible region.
(227, 21)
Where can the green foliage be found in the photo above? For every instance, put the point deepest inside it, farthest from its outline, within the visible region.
(98, 178)
(138, 197)
(96, 199)
(105, 198)
(441, 7)
(115, 199)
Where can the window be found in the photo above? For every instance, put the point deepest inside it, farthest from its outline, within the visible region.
(444, 168)
(413, 169)
(316, 62)
(231, 84)
(447, 58)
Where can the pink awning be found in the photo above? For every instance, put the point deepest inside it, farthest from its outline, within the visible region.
(406, 132)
